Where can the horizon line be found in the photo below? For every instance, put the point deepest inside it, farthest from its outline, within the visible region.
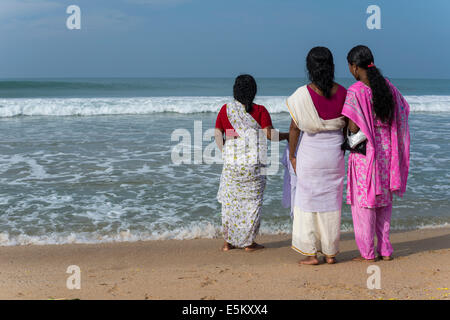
(196, 77)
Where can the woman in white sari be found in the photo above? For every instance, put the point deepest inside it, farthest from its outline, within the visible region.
(246, 126)
(319, 164)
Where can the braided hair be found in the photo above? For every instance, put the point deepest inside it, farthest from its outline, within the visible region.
(383, 101)
(244, 90)
(320, 65)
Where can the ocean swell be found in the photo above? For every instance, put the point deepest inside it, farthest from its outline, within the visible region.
(184, 105)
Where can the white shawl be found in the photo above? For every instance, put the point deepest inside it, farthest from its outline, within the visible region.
(250, 148)
(305, 115)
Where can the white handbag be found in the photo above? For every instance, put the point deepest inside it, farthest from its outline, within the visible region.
(355, 138)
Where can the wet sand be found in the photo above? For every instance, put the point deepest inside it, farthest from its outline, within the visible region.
(198, 269)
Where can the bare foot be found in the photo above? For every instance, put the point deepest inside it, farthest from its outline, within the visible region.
(330, 260)
(311, 261)
(227, 247)
(386, 258)
(361, 259)
(253, 247)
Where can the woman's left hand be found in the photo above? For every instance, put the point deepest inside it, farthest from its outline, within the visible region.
(294, 164)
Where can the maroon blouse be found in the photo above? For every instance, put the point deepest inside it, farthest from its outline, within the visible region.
(259, 113)
(329, 108)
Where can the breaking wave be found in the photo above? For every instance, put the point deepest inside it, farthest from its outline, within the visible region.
(148, 105)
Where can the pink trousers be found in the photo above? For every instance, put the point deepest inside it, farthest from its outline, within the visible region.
(367, 222)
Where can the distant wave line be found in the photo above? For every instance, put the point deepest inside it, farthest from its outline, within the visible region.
(13, 107)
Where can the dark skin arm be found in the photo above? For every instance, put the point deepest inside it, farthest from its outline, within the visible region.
(269, 131)
(344, 130)
(352, 126)
(294, 133)
(218, 135)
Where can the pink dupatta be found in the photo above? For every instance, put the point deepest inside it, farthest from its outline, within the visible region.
(358, 108)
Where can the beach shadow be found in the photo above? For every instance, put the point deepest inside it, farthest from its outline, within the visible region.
(288, 242)
(277, 244)
(407, 248)
(401, 249)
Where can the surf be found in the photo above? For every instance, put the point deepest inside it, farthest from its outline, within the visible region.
(171, 104)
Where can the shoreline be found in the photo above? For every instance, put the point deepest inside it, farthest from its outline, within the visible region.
(126, 238)
(197, 269)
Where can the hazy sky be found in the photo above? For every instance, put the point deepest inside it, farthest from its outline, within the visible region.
(211, 38)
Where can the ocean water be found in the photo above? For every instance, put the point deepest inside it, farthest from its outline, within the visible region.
(89, 160)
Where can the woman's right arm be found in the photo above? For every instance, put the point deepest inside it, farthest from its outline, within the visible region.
(218, 135)
(294, 133)
(352, 126)
(275, 135)
(219, 129)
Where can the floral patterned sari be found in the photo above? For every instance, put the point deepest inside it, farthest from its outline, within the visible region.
(242, 181)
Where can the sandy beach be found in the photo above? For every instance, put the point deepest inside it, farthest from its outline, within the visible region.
(197, 269)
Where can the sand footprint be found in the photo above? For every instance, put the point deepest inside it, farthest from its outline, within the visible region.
(207, 281)
(113, 290)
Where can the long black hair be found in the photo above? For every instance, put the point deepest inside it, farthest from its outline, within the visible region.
(244, 90)
(320, 65)
(383, 101)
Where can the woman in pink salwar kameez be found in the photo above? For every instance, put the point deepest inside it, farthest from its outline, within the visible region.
(374, 106)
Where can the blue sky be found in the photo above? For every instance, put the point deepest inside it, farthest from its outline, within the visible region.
(210, 38)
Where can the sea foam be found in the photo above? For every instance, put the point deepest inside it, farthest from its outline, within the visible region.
(184, 105)
(205, 230)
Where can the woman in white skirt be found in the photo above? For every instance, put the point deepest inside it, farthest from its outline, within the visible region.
(319, 164)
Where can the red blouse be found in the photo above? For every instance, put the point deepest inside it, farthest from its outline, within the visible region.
(259, 113)
(329, 108)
